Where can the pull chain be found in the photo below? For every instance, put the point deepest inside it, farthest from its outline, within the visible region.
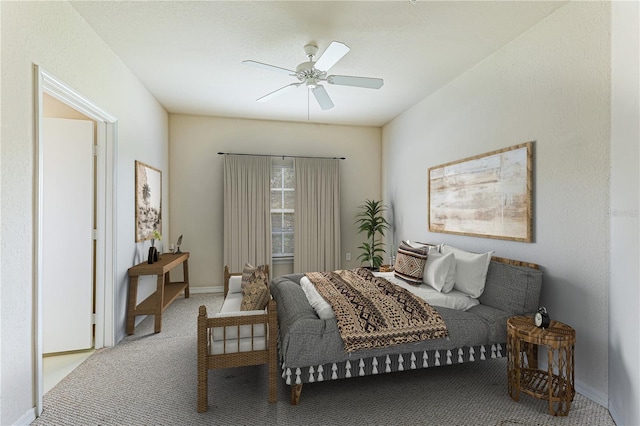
(308, 119)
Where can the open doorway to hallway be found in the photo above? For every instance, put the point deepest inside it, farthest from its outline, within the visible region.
(69, 210)
(101, 224)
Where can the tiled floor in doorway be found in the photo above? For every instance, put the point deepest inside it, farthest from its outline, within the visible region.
(57, 367)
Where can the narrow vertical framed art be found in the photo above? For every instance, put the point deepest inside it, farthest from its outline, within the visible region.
(148, 201)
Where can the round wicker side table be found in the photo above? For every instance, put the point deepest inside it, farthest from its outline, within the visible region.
(556, 384)
(386, 268)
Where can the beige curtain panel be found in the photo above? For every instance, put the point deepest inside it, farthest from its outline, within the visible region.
(247, 211)
(317, 215)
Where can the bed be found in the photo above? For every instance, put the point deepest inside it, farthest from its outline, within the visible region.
(311, 349)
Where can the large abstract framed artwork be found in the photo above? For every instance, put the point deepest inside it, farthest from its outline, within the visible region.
(148, 201)
(488, 195)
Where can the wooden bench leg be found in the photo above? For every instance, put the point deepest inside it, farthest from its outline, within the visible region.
(273, 381)
(203, 371)
(273, 351)
(203, 404)
(296, 390)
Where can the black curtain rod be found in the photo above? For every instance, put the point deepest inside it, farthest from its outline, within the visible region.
(282, 156)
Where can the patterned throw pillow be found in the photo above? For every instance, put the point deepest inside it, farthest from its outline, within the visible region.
(255, 294)
(410, 262)
(248, 270)
(246, 274)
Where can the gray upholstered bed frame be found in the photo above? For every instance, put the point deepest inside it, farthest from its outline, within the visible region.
(311, 350)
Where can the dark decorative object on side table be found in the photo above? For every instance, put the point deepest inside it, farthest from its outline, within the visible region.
(153, 255)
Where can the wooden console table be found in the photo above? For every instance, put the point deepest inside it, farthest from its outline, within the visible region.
(166, 291)
(556, 384)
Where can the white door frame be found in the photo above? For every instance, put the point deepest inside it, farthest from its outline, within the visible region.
(107, 130)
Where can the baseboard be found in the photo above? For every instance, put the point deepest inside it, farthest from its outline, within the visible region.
(27, 418)
(212, 289)
(617, 418)
(594, 395)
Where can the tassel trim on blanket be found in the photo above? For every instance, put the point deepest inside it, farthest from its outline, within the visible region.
(389, 363)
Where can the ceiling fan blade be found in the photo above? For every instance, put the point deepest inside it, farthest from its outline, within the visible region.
(322, 97)
(348, 80)
(278, 92)
(331, 55)
(269, 67)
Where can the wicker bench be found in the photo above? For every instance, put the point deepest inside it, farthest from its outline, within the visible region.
(234, 338)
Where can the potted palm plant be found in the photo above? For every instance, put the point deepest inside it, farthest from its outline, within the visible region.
(372, 221)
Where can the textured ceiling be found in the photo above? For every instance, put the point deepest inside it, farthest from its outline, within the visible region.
(189, 54)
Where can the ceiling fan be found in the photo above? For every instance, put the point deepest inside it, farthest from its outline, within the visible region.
(312, 73)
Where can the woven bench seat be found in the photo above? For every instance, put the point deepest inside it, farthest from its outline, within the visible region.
(235, 338)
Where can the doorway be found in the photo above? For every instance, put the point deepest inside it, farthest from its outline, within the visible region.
(104, 218)
(68, 303)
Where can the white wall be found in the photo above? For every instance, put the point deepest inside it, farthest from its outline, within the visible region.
(550, 85)
(54, 36)
(624, 291)
(197, 172)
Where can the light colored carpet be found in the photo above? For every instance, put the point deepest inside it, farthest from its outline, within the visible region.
(150, 379)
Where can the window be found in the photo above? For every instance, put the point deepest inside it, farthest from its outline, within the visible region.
(282, 199)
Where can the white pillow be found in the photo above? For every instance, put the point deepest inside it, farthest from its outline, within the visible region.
(471, 270)
(453, 300)
(430, 247)
(317, 302)
(235, 284)
(414, 244)
(440, 271)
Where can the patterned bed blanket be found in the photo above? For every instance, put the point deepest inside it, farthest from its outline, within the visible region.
(372, 312)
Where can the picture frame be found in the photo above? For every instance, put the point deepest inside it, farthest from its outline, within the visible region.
(488, 195)
(148, 188)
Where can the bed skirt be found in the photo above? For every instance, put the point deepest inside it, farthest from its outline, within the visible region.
(358, 367)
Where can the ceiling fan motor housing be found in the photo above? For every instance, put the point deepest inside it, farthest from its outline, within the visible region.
(305, 67)
(307, 73)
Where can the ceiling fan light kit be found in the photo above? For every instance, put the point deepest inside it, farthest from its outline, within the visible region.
(311, 73)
